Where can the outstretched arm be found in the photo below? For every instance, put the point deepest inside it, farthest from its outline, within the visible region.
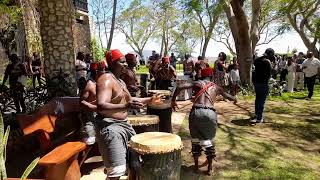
(226, 95)
(177, 91)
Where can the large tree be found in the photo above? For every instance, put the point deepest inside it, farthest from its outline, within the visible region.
(242, 34)
(169, 20)
(207, 13)
(104, 16)
(247, 27)
(188, 40)
(138, 24)
(304, 18)
(269, 25)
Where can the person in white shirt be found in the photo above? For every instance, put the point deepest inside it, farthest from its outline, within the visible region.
(299, 76)
(291, 74)
(234, 79)
(310, 68)
(81, 70)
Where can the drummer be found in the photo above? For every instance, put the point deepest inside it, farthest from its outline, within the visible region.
(199, 65)
(88, 102)
(203, 118)
(166, 73)
(112, 129)
(188, 66)
(154, 64)
(129, 75)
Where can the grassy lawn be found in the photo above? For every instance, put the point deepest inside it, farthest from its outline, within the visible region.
(286, 146)
(144, 69)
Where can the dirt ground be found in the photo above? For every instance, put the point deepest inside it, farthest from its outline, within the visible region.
(286, 146)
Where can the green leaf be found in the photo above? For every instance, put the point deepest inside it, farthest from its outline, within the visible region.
(4, 143)
(1, 127)
(30, 168)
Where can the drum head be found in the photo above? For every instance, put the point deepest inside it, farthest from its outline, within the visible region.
(155, 143)
(143, 120)
(160, 92)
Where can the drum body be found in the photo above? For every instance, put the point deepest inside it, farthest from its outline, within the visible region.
(164, 111)
(144, 123)
(159, 154)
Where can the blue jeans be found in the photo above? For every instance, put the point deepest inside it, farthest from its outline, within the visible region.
(262, 91)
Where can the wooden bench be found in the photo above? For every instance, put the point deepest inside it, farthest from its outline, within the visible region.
(60, 161)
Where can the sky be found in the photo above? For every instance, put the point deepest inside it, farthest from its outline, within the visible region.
(288, 41)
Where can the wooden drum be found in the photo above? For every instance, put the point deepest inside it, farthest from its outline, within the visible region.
(165, 93)
(164, 111)
(160, 155)
(144, 123)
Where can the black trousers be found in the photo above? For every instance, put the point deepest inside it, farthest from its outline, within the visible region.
(283, 75)
(310, 81)
(34, 76)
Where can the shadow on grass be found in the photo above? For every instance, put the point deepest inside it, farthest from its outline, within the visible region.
(242, 122)
(245, 150)
(305, 131)
(187, 173)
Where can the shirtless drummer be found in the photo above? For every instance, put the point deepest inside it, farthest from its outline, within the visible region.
(203, 118)
(88, 102)
(112, 129)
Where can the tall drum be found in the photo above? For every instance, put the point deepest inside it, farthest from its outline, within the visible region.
(144, 123)
(160, 155)
(164, 111)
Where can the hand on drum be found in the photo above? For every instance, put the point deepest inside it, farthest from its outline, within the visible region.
(174, 105)
(135, 104)
(157, 99)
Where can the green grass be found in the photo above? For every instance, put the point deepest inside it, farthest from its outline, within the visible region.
(287, 146)
(144, 69)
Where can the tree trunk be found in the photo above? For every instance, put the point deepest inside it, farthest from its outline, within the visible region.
(162, 45)
(254, 32)
(31, 25)
(140, 52)
(205, 46)
(113, 21)
(245, 49)
(57, 18)
(20, 39)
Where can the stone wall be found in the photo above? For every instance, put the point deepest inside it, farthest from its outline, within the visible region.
(82, 33)
(57, 18)
(3, 60)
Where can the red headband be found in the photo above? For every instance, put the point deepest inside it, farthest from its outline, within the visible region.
(166, 59)
(130, 57)
(113, 56)
(99, 66)
(207, 72)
